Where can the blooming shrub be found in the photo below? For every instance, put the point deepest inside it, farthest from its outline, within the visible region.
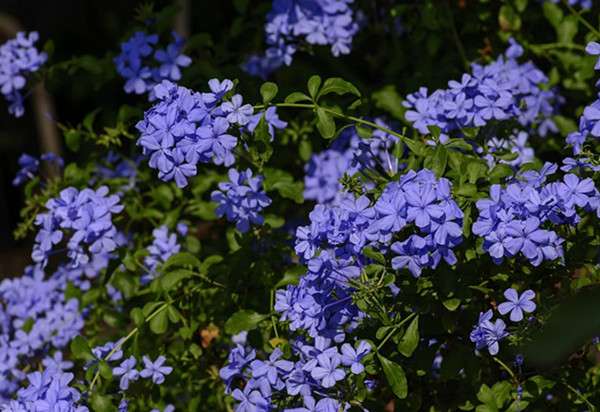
(342, 246)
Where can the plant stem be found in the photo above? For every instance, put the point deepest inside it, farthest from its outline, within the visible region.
(580, 396)
(581, 19)
(273, 318)
(506, 368)
(354, 119)
(394, 329)
(122, 341)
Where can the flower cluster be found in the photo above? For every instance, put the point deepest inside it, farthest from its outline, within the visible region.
(308, 380)
(589, 122)
(317, 22)
(488, 333)
(18, 58)
(241, 199)
(348, 155)
(47, 391)
(584, 4)
(163, 246)
(501, 90)
(511, 220)
(127, 371)
(30, 166)
(35, 317)
(515, 144)
(88, 215)
(144, 67)
(185, 128)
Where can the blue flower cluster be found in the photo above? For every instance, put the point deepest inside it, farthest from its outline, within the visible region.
(128, 372)
(511, 220)
(186, 128)
(18, 58)
(35, 318)
(488, 333)
(30, 166)
(306, 383)
(316, 22)
(348, 155)
(515, 143)
(88, 215)
(49, 390)
(503, 89)
(144, 67)
(241, 199)
(163, 246)
(589, 122)
(584, 4)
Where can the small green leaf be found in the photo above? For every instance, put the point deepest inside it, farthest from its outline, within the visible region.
(243, 320)
(374, 255)
(182, 259)
(500, 171)
(80, 348)
(73, 139)
(325, 123)
(291, 276)
(169, 280)
(313, 86)
(297, 97)
(105, 370)
(137, 315)
(159, 323)
(440, 160)
(389, 99)
(410, 340)
(567, 30)
(395, 376)
(268, 91)
(451, 304)
(101, 403)
(339, 86)
(509, 19)
(553, 13)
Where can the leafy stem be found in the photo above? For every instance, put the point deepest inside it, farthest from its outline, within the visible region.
(122, 341)
(583, 21)
(394, 330)
(335, 113)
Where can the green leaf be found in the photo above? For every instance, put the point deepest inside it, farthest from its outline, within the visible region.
(182, 259)
(105, 370)
(284, 184)
(169, 280)
(509, 19)
(88, 120)
(101, 403)
(268, 91)
(243, 320)
(440, 160)
(260, 148)
(487, 397)
(338, 86)
(410, 340)
(395, 376)
(297, 97)
(415, 146)
(374, 255)
(500, 171)
(389, 99)
(451, 304)
(80, 348)
(73, 139)
(325, 123)
(291, 276)
(313, 86)
(553, 13)
(159, 323)
(567, 30)
(137, 315)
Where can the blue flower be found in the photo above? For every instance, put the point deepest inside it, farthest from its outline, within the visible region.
(127, 372)
(156, 370)
(516, 304)
(327, 371)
